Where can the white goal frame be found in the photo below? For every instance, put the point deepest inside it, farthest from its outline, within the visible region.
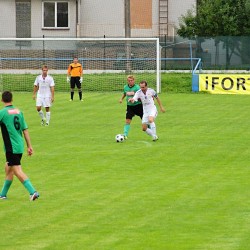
(156, 40)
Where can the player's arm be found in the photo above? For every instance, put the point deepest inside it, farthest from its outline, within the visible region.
(134, 99)
(68, 73)
(28, 142)
(81, 74)
(123, 96)
(52, 89)
(160, 104)
(35, 91)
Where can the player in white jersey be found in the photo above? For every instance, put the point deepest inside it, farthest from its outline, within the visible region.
(147, 96)
(44, 88)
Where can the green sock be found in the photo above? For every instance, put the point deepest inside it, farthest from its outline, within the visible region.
(126, 129)
(28, 185)
(6, 187)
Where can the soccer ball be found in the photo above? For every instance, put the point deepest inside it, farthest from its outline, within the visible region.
(119, 138)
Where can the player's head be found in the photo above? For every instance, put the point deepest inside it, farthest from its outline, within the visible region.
(143, 85)
(6, 97)
(75, 59)
(131, 80)
(45, 70)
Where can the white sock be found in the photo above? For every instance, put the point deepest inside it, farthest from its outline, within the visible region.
(149, 131)
(47, 117)
(41, 114)
(153, 128)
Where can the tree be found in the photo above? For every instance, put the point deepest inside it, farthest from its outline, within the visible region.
(218, 19)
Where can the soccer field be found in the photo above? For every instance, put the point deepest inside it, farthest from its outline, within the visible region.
(187, 191)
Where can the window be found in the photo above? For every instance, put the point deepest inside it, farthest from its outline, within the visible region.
(55, 15)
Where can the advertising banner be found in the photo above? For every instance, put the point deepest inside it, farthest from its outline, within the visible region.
(224, 83)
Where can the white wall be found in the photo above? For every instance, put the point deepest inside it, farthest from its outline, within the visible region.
(99, 18)
(7, 18)
(177, 8)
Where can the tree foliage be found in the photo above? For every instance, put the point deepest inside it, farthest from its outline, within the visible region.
(216, 18)
(221, 20)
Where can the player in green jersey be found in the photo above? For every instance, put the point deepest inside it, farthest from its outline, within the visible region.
(132, 108)
(13, 126)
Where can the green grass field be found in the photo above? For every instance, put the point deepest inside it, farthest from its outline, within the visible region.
(187, 191)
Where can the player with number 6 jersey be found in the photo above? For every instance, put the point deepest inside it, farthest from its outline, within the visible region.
(13, 126)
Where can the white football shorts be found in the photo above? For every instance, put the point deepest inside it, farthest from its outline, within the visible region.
(43, 102)
(146, 113)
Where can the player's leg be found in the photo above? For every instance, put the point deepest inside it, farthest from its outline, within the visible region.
(79, 87)
(47, 115)
(152, 114)
(148, 126)
(146, 129)
(145, 126)
(47, 105)
(8, 181)
(39, 103)
(23, 178)
(129, 116)
(72, 88)
(15, 164)
(152, 127)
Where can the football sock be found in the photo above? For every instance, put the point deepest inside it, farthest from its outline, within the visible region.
(72, 95)
(153, 127)
(28, 185)
(80, 95)
(149, 132)
(47, 117)
(6, 186)
(41, 114)
(126, 129)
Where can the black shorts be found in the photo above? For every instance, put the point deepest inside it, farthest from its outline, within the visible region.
(13, 159)
(134, 110)
(75, 81)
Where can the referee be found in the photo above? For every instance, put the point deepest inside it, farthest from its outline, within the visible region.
(74, 76)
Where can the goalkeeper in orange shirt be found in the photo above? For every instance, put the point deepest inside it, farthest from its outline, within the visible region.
(74, 76)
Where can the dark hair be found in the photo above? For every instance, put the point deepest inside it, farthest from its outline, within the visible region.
(146, 84)
(7, 96)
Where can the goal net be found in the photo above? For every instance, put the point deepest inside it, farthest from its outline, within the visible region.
(106, 62)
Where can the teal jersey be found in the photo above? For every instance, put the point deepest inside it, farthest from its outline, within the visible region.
(130, 92)
(12, 125)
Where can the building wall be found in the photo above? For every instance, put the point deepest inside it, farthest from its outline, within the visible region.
(7, 18)
(177, 8)
(97, 18)
(108, 19)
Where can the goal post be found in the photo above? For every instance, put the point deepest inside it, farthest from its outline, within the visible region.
(106, 61)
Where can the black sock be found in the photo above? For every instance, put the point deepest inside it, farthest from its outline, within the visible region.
(80, 95)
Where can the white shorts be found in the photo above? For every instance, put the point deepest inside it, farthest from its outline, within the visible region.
(43, 102)
(147, 113)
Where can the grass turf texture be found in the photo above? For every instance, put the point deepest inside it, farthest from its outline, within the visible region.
(171, 82)
(189, 190)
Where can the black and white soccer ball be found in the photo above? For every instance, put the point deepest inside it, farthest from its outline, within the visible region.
(119, 138)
